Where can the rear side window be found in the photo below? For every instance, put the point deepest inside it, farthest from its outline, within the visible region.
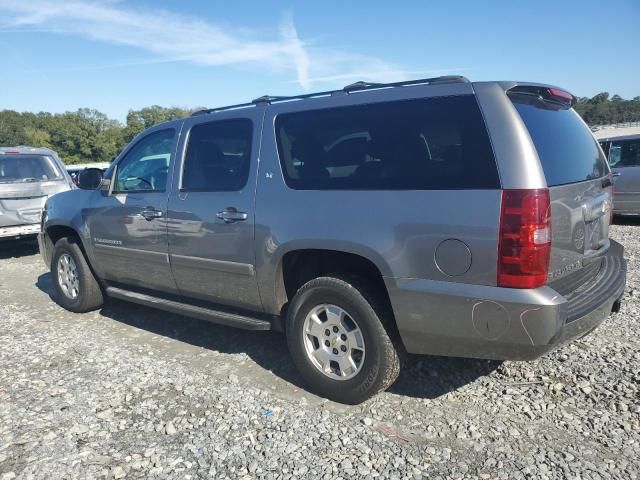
(218, 156)
(28, 168)
(425, 144)
(566, 148)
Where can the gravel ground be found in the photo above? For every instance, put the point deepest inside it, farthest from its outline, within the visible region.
(132, 392)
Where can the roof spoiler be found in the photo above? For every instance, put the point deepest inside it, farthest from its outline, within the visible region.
(545, 93)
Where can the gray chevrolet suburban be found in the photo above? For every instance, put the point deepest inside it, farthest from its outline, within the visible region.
(434, 216)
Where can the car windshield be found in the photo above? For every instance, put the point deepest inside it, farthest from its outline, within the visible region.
(28, 168)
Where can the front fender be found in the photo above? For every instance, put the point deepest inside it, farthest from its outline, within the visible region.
(69, 210)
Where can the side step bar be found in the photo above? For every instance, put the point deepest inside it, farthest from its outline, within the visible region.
(215, 316)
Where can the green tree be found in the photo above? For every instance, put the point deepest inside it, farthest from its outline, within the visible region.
(37, 137)
(139, 120)
(602, 110)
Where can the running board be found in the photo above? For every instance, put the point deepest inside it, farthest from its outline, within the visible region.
(215, 316)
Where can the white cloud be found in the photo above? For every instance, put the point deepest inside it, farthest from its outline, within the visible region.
(173, 37)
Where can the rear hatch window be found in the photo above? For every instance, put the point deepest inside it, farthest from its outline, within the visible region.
(28, 168)
(567, 150)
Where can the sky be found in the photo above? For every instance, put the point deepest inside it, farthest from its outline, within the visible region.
(116, 55)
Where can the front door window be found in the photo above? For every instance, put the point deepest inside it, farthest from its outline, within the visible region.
(146, 166)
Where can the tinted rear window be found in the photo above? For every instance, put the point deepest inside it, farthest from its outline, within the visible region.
(567, 150)
(28, 168)
(425, 144)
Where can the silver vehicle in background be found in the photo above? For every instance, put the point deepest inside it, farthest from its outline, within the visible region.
(28, 176)
(621, 144)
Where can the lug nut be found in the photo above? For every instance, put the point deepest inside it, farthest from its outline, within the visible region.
(343, 348)
(343, 337)
(335, 351)
(335, 329)
(327, 343)
(327, 332)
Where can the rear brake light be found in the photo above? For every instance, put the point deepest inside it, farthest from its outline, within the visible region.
(524, 245)
(11, 153)
(560, 95)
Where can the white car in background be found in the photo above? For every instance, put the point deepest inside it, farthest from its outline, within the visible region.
(74, 169)
(28, 176)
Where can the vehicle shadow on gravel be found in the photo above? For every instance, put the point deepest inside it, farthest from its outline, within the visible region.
(18, 248)
(431, 377)
(421, 376)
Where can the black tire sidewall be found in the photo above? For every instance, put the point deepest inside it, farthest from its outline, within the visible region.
(367, 382)
(79, 304)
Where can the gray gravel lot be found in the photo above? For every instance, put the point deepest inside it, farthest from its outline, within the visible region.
(132, 392)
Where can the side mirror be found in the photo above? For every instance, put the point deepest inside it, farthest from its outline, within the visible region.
(90, 178)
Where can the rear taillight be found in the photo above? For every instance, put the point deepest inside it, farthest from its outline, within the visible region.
(525, 238)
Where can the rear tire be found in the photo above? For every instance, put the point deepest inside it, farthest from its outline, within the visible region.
(357, 358)
(76, 287)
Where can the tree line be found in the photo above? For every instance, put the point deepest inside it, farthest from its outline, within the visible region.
(90, 136)
(83, 136)
(602, 109)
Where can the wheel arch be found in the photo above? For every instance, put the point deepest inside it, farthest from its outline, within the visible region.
(296, 266)
(55, 232)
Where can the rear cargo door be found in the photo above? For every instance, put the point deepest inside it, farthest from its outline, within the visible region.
(579, 184)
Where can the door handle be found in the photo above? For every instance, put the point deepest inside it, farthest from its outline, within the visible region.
(150, 213)
(231, 215)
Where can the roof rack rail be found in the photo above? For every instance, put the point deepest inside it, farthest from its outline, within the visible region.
(362, 86)
(354, 87)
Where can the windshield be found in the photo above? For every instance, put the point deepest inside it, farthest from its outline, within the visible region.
(567, 150)
(28, 168)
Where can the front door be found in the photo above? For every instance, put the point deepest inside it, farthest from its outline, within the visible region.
(128, 225)
(211, 210)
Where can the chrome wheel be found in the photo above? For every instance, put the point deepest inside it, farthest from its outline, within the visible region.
(333, 342)
(68, 276)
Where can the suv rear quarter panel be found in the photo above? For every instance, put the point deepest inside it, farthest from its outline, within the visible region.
(516, 156)
(399, 231)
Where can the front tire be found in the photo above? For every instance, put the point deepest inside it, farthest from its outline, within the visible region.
(76, 287)
(340, 338)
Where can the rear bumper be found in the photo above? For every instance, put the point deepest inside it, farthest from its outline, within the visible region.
(19, 231)
(446, 318)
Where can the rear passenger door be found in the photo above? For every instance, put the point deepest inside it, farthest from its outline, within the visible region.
(211, 209)
(624, 158)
